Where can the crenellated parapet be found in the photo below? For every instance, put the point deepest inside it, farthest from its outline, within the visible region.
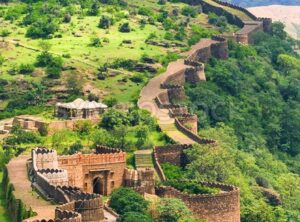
(100, 149)
(45, 158)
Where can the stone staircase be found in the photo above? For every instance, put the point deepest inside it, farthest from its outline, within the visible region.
(143, 159)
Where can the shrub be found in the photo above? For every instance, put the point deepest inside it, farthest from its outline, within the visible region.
(43, 59)
(67, 18)
(110, 102)
(83, 127)
(74, 148)
(136, 217)
(105, 22)
(20, 136)
(125, 200)
(93, 97)
(95, 42)
(26, 68)
(137, 78)
(125, 27)
(114, 118)
(42, 28)
(172, 210)
(171, 171)
(145, 11)
(190, 11)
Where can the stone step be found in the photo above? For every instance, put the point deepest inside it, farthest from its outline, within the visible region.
(143, 159)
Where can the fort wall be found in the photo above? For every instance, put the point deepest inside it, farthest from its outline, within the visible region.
(53, 182)
(142, 180)
(189, 121)
(221, 207)
(84, 168)
(192, 135)
(172, 154)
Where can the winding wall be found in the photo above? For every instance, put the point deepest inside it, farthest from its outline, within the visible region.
(159, 95)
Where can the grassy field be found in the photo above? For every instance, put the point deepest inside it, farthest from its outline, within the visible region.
(3, 214)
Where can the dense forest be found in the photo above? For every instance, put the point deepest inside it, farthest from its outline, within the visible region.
(250, 103)
(252, 3)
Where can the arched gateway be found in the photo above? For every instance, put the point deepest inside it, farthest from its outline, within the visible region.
(98, 186)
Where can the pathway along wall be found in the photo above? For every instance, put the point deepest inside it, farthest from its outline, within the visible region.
(224, 206)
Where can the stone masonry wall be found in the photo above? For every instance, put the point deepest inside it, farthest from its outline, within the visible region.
(77, 206)
(221, 207)
(172, 154)
(83, 168)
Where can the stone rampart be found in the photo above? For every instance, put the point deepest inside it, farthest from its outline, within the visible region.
(190, 121)
(178, 111)
(142, 180)
(192, 135)
(221, 207)
(172, 154)
(176, 94)
(177, 78)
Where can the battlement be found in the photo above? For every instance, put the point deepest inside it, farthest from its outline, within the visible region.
(170, 86)
(100, 149)
(219, 38)
(90, 159)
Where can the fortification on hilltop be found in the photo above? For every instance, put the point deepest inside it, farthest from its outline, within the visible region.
(161, 92)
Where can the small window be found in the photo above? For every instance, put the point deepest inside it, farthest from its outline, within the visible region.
(112, 184)
(111, 174)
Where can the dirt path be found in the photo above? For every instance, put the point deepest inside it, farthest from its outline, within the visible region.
(17, 172)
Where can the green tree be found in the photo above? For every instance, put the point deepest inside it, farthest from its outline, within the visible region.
(125, 27)
(74, 83)
(105, 22)
(210, 163)
(125, 200)
(136, 217)
(114, 118)
(172, 210)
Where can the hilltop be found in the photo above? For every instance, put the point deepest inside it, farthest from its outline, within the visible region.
(193, 100)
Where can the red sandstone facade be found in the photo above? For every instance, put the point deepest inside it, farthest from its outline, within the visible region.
(95, 173)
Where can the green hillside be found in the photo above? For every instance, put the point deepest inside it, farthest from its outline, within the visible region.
(108, 50)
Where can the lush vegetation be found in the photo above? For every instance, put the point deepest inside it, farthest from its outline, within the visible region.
(250, 104)
(132, 207)
(88, 39)
(127, 203)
